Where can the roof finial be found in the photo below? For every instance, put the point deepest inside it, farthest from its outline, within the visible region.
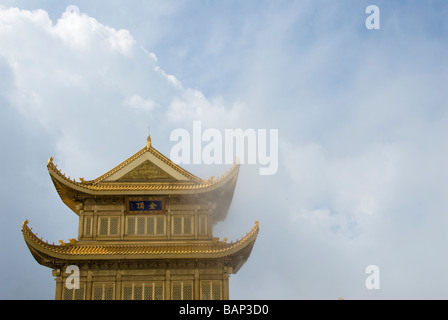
(148, 142)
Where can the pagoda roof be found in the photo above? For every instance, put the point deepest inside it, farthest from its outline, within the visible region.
(51, 255)
(147, 172)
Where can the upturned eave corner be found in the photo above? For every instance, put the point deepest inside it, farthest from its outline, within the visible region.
(52, 255)
(99, 186)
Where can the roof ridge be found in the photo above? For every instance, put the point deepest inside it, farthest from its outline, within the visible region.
(121, 165)
(124, 163)
(119, 186)
(153, 151)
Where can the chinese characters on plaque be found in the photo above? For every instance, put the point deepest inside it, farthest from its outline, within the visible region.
(145, 206)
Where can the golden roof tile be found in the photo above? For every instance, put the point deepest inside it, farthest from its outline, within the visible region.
(77, 251)
(139, 186)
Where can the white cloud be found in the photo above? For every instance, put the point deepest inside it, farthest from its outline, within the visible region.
(345, 194)
(382, 205)
(172, 79)
(193, 105)
(135, 101)
(81, 79)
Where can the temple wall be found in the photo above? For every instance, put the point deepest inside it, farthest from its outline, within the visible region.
(177, 221)
(206, 283)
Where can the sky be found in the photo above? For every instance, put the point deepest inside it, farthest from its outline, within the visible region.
(361, 116)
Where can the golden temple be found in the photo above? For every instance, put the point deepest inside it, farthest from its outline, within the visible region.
(145, 233)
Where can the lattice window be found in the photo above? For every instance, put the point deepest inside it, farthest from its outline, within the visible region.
(150, 225)
(127, 292)
(104, 226)
(88, 226)
(177, 225)
(113, 230)
(143, 291)
(148, 292)
(160, 225)
(98, 293)
(73, 294)
(187, 225)
(187, 292)
(103, 291)
(68, 294)
(108, 226)
(141, 226)
(203, 225)
(211, 290)
(216, 290)
(182, 290)
(145, 226)
(131, 225)
(109, 293)
(79, 294)
(183, 225)
(177, 291)
(205, 290)
(158, 291)
(138, 292)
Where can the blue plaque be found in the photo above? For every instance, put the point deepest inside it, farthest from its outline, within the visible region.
(145, 205)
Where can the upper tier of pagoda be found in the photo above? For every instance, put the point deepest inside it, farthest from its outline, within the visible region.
(147, 172)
